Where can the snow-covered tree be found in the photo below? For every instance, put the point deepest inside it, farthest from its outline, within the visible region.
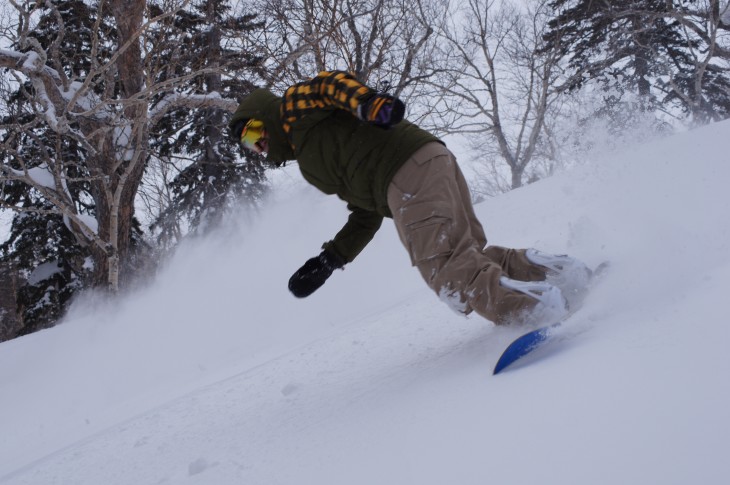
(87, 87)
(666, 53)
(215, 174)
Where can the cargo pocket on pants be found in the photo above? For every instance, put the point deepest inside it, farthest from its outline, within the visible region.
(429, 239)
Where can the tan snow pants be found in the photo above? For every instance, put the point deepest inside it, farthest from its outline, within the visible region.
(433, 214)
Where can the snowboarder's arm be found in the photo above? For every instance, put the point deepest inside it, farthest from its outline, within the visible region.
(359, 230)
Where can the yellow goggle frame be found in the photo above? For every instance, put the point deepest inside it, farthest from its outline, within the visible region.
(252, 133)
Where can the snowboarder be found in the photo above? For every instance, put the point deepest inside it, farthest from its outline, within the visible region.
(352, 141)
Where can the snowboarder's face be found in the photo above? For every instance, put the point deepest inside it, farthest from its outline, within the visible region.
(254, 137)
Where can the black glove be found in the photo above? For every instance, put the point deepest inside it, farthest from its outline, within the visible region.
(382, 110)
(314, 273)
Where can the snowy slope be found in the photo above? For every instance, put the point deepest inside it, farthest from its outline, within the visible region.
(214, 374)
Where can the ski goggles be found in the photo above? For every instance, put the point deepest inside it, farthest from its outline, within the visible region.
(252, 134)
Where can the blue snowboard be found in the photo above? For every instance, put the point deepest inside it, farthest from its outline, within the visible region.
(524, 345)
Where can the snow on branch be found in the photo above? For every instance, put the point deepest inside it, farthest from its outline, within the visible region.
(175, 100)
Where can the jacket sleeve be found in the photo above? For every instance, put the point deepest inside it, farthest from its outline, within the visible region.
(359, 230)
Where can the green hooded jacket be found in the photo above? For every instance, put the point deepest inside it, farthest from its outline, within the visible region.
(315, 123)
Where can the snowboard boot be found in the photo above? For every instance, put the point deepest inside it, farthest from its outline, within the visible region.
(569, 274)
(551, 305)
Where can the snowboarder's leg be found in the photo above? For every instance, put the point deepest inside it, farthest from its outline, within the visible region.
(435, 220)
(515, 263)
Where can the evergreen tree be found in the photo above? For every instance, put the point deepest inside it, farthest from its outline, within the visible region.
(644, 48)
(45, 252)
(216, 179)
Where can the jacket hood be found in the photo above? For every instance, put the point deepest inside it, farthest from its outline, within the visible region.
(263, 105)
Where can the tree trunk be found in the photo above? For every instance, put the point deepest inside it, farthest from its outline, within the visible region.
(517, 177)
(125, 152)
(642, 59)
(214, 190)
